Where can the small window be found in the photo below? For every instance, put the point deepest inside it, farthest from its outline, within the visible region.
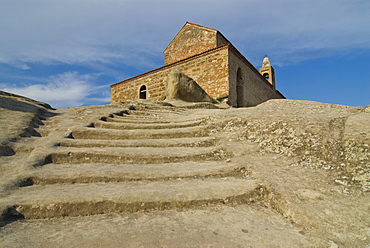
(266, 76)
(142, 94)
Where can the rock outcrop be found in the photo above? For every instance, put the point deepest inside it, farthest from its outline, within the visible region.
(19, 118)
(151, 174)
(182, 87)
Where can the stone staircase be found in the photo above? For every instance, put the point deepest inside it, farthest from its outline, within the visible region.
(134, 161)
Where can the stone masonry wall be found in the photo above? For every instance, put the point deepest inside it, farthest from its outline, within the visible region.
(255, 88)
(188, 42)
(209, 70)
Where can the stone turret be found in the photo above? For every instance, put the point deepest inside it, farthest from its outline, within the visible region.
(267, 71)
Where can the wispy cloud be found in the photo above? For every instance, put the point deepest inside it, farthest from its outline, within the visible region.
(20, 65)
(69, 89)
(118, 39)
(126, 32)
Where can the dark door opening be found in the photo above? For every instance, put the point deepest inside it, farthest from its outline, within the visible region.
(239, 89)
(239, 95)
(142, 94)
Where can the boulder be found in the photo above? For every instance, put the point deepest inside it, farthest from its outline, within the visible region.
(182, 87)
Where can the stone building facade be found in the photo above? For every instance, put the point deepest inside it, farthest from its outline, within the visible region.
(206, 56)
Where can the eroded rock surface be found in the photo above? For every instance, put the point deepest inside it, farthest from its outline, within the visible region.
(184, 88)
(154, 174)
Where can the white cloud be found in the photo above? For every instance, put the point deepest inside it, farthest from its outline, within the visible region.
(132, 32)
(20, 65)
(69, 89)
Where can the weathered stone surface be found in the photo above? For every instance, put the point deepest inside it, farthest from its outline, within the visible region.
(19, 118)
(182, 87)
(214, 82)
(356, 144)
(191, 41)
(282, 174)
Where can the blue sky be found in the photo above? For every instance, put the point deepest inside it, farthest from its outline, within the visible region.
(68, 52)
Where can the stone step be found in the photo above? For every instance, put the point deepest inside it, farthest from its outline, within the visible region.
(153, 113)
(139, 155)
(55, 200)
(147, 116)
(175, 142)
(132, 119)
(131, 126)
(110, 134)
(93, 173)
(129, 120)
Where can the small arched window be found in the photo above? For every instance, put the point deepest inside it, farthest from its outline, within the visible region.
(266, 76)
(142, 93)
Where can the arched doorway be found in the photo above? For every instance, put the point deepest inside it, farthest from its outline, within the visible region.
(142, 93)
(239, 89)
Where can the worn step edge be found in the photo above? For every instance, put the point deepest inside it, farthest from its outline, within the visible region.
(138, 155)
(174, 142)
(148, 116)
(102, 133)
(131, 126)
(51, 201)
(93, 173)
(155, 120)
(153, 112)
(128, 119)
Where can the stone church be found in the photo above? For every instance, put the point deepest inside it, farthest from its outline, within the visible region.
(206, 56)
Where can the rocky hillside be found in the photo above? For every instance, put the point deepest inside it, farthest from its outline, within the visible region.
(168, 174)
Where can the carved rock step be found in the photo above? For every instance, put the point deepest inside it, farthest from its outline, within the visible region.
(110, 134)
(146, 116)
(175, 142)
(140, 155)
(88, 199)
(93, 173)
(131, 119)
(158, 113)
(131, 126)
(140, 117)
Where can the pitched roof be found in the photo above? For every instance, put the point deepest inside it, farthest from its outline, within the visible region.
(192, 24)
(200, 26)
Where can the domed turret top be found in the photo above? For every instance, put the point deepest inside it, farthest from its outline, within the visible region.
(266, 62)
